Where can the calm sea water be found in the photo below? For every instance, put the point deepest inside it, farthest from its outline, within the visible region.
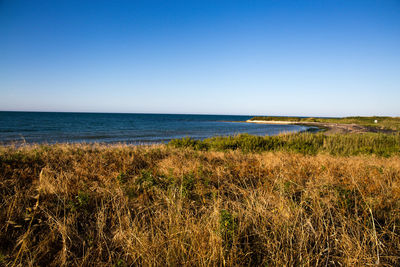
(57, 127)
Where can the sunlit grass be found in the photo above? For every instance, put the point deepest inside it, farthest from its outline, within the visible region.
(124, 205)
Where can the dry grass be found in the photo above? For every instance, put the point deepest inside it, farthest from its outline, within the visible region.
(123, 205)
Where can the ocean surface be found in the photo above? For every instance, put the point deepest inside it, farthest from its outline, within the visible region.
(60, 127)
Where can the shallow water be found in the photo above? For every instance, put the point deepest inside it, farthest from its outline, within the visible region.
(60, 127)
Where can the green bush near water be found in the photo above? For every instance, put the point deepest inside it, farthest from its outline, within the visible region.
(305, 143)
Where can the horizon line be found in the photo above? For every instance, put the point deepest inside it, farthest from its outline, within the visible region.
(199, 114)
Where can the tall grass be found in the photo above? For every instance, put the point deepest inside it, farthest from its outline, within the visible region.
(97, 205)
(306, 143)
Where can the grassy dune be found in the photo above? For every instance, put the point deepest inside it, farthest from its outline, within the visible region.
(391, 123)
(123, 205)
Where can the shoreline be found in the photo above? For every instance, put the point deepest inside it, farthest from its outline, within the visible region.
(329, 128)
(23, 142)
(313, 127)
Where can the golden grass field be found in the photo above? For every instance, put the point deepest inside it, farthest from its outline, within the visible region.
(120, 205)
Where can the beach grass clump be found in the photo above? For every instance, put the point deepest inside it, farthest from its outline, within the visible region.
(305, 143)
(120, 205)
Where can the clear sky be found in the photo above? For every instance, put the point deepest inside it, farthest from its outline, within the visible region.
(308, 58)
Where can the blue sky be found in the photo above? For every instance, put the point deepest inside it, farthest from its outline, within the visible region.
(306, 58)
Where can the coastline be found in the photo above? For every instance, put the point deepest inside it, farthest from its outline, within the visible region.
(329, 128)
(272, 122)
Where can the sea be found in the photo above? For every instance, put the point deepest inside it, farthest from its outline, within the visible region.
(66, 127)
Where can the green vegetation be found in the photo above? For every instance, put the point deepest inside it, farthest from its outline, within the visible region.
(305, 143)
(392, 123)
(228, 228)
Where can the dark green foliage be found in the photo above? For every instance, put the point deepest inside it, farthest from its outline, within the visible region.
(82, 199)
(228, 227)
(348, 199)
(80, 202)
(188, 142)
(188, 184)
(146, 179)
(305, 143)
(122, 178)
(120, 263)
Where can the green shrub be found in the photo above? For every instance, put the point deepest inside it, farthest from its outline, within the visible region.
(188, 184)
(122, 178)
(228, 226)
(306, 143)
